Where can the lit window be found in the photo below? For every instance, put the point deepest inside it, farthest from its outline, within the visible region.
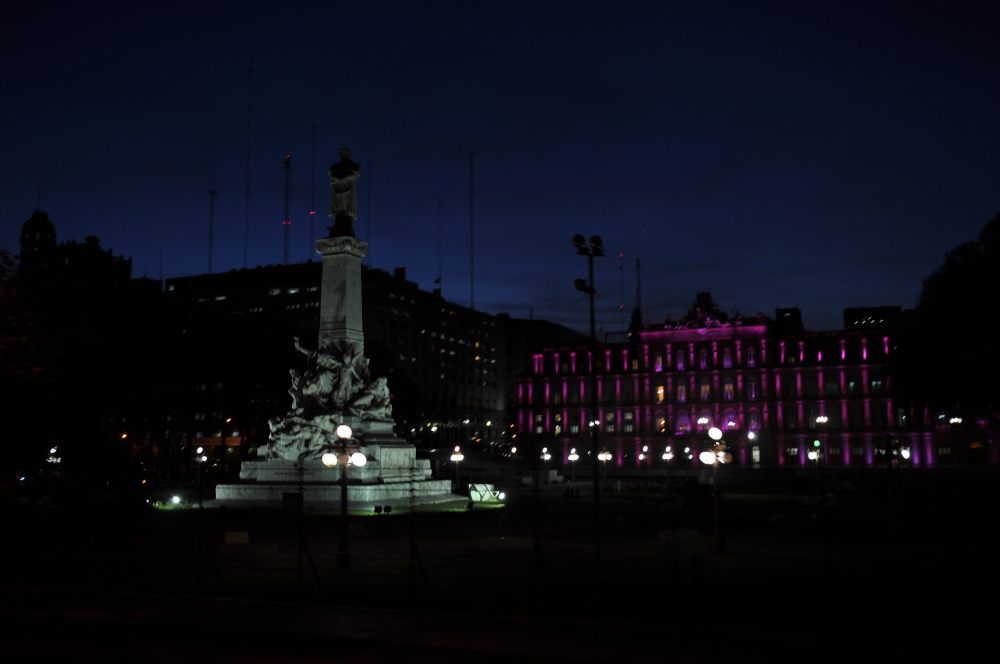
(683, 423)
(609, 423)
(658, 362)
(293, 291)
(659, 394)
(706, 390)
(274, 291)
(628, 423)
(751, 357)
(703, 359)
(680, 361)
(682, 393)
(755, 454)
(752, 390)
(727, 359)
(727, 389)
(753, 421)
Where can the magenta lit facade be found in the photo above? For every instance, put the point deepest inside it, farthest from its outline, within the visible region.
(674, 384)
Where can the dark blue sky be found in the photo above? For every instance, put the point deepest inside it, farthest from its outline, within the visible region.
(823, 156)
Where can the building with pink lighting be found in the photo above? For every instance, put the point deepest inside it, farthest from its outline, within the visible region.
(783, 397)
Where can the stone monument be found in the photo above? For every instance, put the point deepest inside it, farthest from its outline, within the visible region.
(335, 388)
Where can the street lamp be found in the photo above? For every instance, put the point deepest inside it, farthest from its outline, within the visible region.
(605, 456)
(573, 458)
(545, 456)
(716, 455)
(595, 248)
(346, 458)
(456, 457)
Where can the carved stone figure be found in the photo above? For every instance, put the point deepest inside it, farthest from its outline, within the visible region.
(343, 196)
(335, 382)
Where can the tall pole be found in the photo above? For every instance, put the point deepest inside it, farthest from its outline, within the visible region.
(211, 225)
(594, 424)
(472, 238)
(312, 197)
(368, 216)
(621, 275)
(286, 222)
(246, 205)
(440, 244)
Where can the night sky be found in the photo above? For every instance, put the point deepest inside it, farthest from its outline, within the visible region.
(778, 155)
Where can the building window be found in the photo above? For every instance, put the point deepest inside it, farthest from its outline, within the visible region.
(791, 416)
(659, 394)
(855, 416)
(609, 423)
(753, 421)
(853, 383)
(727, 389)
(832, 387)
(729, 420)
(727, 359)
(705, 390)
(944, 451)
(558, 427)
(704, 420)
(574, 428)
(682, 393)
(878, 415)
(680, 361)
(703, 359)
(810, 385)
(658, 362)
(751, 357)
(683, 423)
(628, 423)
(628, 391)
(752, 390)
(661, 422)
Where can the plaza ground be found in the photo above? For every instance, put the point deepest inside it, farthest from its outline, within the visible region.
(849, 578)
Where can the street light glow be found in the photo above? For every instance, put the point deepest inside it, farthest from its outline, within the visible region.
(358, 459)
(707, 457)
(175, 500)
(329, 459)
(715, 433)
(344, 431)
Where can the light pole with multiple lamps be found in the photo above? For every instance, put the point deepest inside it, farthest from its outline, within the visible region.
(818, 453)
(350, 455)
(457, 457)
(573, 458)
(716, 454)
(595, 248)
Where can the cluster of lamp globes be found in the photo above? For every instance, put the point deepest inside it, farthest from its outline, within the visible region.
(330, 459)
(458, 456)
(719, 453)
(545, 454)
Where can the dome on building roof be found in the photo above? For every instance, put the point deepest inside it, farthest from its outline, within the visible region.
(39, 227)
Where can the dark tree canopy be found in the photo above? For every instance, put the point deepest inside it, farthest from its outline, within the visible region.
(951, 359)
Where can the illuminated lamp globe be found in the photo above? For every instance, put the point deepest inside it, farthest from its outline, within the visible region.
(359, 459)
(343, 459)
(329, 459)
(344, 431)
(715, 433)
(175, 500)
(707, 458)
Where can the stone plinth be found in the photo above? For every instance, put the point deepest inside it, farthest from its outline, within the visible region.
(340, 291)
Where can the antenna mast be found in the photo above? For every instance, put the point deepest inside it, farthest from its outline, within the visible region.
(621, 274)
(312, 199)
(440, 244)
(472, 238)
(638, 285)
(246, 207)
(286, 222)
(211, 226)
(368, 216)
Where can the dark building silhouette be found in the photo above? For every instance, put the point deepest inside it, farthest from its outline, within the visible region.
(450, 368)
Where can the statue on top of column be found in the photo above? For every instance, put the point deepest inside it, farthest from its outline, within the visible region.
(344, 195)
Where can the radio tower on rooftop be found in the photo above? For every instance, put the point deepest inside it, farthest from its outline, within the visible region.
(287, 221)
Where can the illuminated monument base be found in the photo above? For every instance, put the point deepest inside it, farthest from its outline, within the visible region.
(335, 389)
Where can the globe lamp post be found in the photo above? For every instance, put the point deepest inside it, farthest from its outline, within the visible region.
(595, 248)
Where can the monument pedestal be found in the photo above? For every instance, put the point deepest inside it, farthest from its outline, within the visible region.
(335, 389)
